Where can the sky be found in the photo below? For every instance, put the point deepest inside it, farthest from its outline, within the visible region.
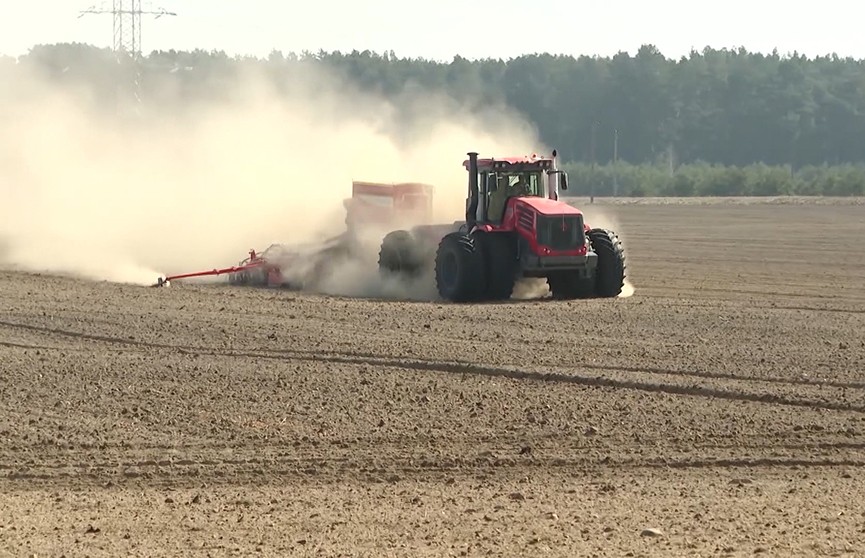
(441, 29)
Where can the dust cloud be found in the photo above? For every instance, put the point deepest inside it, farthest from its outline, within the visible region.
(191, 184)
(528, 288)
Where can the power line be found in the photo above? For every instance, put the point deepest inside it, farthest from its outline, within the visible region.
(127, 16)
(127, 23)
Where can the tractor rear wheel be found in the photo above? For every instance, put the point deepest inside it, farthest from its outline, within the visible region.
(459, 269)
(610, 273)
(399, 253)
(499, 257)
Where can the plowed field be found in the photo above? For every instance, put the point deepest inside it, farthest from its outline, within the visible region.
(722, 405)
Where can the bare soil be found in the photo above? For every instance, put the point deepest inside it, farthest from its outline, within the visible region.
(722, 405)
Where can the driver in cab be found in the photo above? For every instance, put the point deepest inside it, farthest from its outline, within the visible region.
(507, 187)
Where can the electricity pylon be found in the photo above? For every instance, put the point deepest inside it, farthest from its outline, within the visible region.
(127, 15)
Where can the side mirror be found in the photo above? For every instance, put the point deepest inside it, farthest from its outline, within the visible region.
(492, 183)
(564, 181)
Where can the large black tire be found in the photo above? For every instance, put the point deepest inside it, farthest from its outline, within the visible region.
(500, 259)
(568, 285)
(399, 253)
(459, 269)
(610, 273)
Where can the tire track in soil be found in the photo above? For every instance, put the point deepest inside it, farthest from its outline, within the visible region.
(728, 376)
(649, 291)
(326, 448)
(13, 345)
(85, 336)
(569, 377)
(367, 463)
(303, 355)
(675, 302)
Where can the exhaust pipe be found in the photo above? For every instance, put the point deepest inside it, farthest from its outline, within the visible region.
(472, 208)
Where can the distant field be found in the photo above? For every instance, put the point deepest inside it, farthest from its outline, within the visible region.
(722, 404)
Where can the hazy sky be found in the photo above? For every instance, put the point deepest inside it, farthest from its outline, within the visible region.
(440, 29)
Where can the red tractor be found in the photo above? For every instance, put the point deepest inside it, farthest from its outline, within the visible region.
(515, 226)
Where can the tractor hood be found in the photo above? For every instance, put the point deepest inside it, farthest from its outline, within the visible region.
(546, 206)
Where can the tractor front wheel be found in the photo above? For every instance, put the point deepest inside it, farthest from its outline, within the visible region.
(459, 269)
(610, 273)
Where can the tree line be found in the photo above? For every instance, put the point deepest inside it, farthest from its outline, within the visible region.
(703, 179)
(719, 122)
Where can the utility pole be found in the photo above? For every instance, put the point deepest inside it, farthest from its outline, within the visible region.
(592, 174)
(127, 16)
(615, 162)
(670, 159)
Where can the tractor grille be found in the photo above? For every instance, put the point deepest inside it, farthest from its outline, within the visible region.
(525, 219)
(561, 232)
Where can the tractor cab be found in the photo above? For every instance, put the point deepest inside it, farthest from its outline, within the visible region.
(496, 181)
